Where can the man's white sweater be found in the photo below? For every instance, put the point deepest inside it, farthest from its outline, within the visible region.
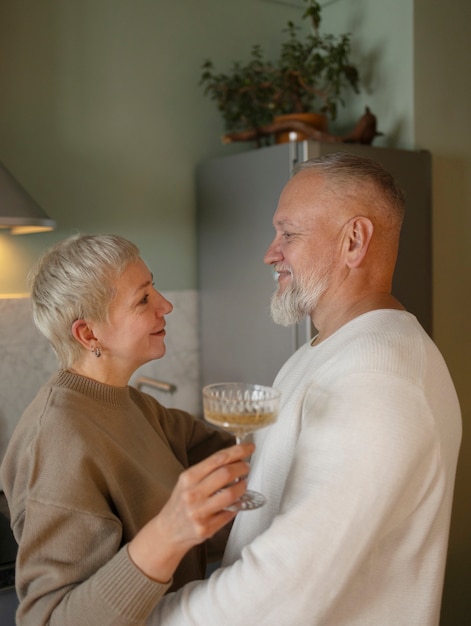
(359, 474)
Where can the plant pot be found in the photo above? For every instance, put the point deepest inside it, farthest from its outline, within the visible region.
(316, 120)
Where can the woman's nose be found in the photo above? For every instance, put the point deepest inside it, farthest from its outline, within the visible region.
(163, 305)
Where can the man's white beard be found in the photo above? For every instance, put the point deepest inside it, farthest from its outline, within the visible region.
(298, 299)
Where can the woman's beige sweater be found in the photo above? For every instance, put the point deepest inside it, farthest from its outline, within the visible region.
(88, 465)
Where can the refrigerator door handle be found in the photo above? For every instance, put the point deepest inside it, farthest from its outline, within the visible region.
(297, 153)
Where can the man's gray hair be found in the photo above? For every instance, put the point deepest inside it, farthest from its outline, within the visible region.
(348, 172)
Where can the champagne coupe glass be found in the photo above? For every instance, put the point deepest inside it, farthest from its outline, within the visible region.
(241, 408)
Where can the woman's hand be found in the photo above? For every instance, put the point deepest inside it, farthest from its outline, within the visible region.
(193, 513)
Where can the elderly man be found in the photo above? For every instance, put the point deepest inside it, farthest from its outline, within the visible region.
(359, 469)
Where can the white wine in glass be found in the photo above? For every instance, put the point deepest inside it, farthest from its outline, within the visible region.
(241, 408)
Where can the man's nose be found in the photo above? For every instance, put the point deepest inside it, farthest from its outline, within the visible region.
(273, 254)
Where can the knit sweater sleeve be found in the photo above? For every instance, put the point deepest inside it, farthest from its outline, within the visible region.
(73, 566)
(115, 594)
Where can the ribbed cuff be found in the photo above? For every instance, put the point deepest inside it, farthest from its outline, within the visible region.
(128, 591)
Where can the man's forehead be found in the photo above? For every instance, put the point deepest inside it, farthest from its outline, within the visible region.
(297, 221)
(281, 220)
(297, 210)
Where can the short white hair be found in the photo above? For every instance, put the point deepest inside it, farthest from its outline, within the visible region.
(73, 280)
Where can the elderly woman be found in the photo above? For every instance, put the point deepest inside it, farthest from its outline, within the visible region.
(112, 495)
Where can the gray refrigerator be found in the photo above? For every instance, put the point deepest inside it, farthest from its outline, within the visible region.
(236, 198)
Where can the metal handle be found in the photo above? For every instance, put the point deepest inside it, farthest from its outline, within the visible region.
(160, 385)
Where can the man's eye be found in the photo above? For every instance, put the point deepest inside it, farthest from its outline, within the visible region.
(287, 235)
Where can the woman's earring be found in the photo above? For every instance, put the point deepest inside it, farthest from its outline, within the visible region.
(97, 352)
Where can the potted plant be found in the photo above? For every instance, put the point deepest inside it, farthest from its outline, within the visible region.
(246, 95)
(310, 76)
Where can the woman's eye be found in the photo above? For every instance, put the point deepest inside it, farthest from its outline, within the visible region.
(145, 299)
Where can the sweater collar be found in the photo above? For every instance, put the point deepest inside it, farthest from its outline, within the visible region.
(108, 394)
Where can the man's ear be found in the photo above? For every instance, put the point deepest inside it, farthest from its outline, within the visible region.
(358, 235)
(83, 333)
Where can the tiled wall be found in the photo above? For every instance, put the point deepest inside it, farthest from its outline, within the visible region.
(27, 360)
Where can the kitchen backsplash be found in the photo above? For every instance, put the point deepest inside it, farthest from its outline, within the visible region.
(27, 360)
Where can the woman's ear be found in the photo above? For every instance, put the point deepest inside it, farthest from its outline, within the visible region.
(82, 332)
(359, 234)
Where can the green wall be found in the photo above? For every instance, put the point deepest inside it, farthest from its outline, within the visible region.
(102, 119)
(382, 47)
(443, 123)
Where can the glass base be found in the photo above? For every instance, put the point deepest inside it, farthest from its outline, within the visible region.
(250, 500)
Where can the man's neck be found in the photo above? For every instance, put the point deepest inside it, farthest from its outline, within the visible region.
(328, 319)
